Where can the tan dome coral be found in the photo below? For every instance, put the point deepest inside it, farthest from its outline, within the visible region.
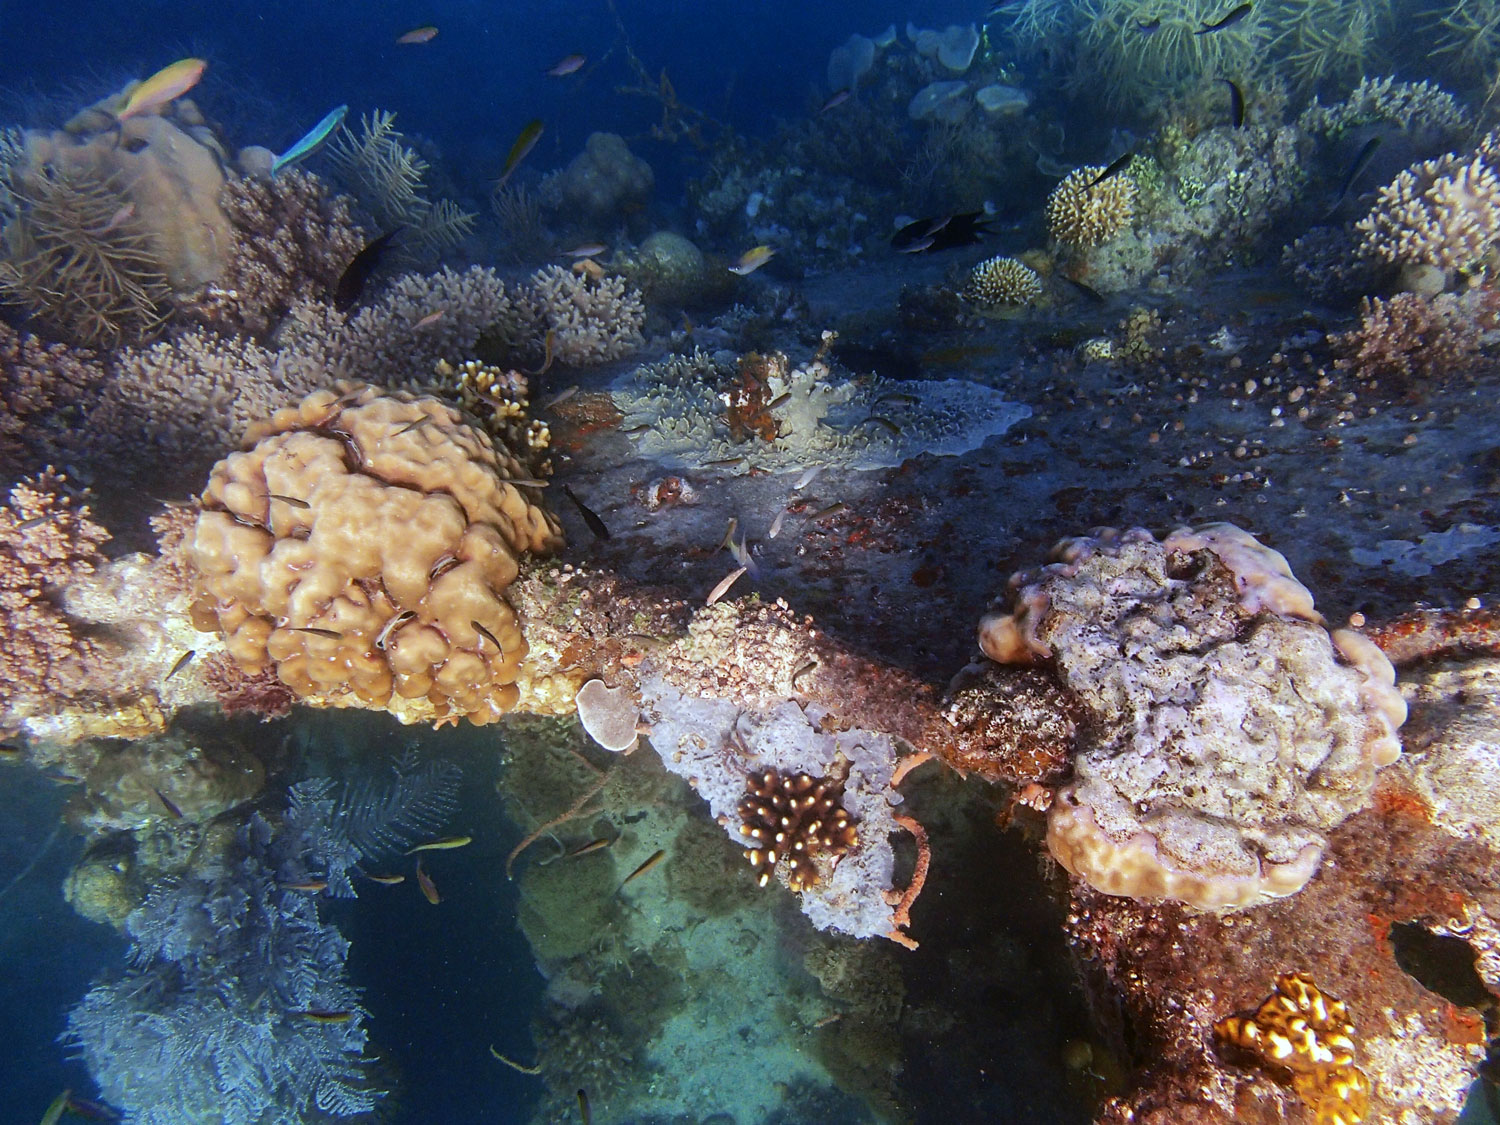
(1082, 215)
(1000, 282)
(361, 546)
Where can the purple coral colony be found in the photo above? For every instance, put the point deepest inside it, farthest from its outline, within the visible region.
(701, 613)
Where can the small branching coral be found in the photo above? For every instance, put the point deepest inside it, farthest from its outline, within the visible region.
(795, 817)
(389, 178)
(1304, 1037)
(1413, 337)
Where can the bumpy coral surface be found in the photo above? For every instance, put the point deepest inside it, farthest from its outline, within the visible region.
(1229, 731)
(1082, 215)
(362, 545)
(1443, 213)
(1001, 282)
(1300, 1032)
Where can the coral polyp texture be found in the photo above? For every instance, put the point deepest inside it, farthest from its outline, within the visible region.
(1082, 213)
(1305, 1038)
(1000, 282)
(795, 817)
(1228, 731)
(361, 545)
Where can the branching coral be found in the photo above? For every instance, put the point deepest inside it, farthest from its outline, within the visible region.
(1083, 213)
(590, 321)
(294, 240)
(1409, 336)
(362, 546)
(1001, 282)
(1443, 213)
(797, 818)
(1420, 108)
(389, 178)
(77, 256)
(1304, 1036)
(45, 542)
(35, 379)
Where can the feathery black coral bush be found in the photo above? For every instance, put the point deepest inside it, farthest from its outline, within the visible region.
(236, 1007)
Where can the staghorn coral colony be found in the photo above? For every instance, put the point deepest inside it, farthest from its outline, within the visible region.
(667, 497)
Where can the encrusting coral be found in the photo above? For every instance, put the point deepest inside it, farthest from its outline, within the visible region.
(1301, 1033)
(1001, 282)
(1083, 213)
(796, 818)
(1236, 735)
(361, 546)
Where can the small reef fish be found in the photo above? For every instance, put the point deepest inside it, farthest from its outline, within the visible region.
(946, 232)
(428, 321)
(808, 476)
(487, 635)
(723, 588)
(651, 861)
(587, 250)
(549, 352)
(751, 260)
(34, 521)
(832, 510)
(1114, 166)
(168, 804)
(166, 85)
(384, 880)
(590, 517)
(584, 1113)
(592, 846)
(90, 1110)
(837, 98)
(1236, 103)
(1230, 20)
(1148, 29)
(526, 140)
(182, 662)
(724, 463)
(429, 888)
(883, 423)
(1357, 169)
(310, 886)
(560, 397)
(326, 1015)
(55, 1110)
(351, 283)
(311, 142)
(776, 524)
(734, 525)
(1087, 292)
(782, 398)
(118, 219)
(569, 64)
(424, 34)
(447, 843)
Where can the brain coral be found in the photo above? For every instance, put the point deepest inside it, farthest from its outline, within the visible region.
(1001, 282)
(1082, 215)
(361, 545)
(1229, 730)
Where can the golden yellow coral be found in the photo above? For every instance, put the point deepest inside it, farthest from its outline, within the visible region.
(1305, 1037)
(795, 817)
(1002, 282)
(1082, 215)
(361, 546)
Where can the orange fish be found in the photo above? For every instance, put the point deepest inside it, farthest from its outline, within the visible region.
(424, 34)
(429, 888)
(166, 85)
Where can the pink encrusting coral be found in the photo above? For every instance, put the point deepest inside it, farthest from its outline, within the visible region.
(45, 542)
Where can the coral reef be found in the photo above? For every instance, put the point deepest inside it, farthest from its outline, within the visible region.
(46, 541)
(1082, 213)
(1000, 283)
(1237, 735)
(362, 546)
(1409, 337)
(601, 184)
(1301, 1032)
(37, 380)
(699, 409)
(294, 239)
(797, 818)
(589, 321)
(1418, 108)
